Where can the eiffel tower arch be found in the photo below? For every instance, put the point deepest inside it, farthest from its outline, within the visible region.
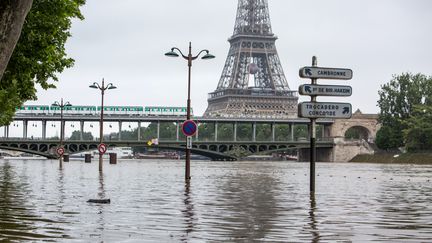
(252, 84)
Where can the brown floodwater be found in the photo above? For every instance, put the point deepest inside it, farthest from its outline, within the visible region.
(225, 202)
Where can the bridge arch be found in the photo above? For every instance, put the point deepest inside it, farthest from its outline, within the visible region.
(365, 125)
(358, 132)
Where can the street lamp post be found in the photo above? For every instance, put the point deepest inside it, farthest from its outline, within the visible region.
(61, 106)
(102, 88)
(189, 58)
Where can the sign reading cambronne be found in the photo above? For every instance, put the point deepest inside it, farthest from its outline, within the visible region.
(325, 110)
(326, 73)
(325, 90)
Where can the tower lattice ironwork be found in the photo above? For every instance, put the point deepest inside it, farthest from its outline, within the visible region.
(252, 83)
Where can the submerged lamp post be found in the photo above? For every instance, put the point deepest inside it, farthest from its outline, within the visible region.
(60, 148)
(189, 58)
(102, 88)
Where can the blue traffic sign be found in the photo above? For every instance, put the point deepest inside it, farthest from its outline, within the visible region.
(189, 128)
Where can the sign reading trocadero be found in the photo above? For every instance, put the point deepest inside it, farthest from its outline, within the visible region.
(326, 73)
(325, 110)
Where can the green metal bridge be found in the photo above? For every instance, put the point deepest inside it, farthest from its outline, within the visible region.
(217, 138)
(215, 150)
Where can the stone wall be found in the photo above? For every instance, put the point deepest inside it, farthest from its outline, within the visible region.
(345, 150)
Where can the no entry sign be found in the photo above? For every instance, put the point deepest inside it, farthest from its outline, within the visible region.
(60, 151)
(102, 148)
(189, 128)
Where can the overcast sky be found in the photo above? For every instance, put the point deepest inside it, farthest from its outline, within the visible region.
(125, 41)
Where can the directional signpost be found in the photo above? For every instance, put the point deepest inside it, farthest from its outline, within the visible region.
(314, 109)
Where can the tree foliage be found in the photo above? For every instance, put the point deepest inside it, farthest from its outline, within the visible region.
(397, 102)
(418, 134)
(76, 135)
(39, 54)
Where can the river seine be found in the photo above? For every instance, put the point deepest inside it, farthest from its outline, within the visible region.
(225, 202)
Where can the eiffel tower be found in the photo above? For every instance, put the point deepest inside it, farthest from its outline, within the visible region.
(252, 84)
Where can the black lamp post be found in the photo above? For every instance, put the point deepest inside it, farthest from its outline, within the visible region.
(61, 106)
(189, 58)
(102, 88)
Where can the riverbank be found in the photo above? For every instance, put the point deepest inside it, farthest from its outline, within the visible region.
(407, 158)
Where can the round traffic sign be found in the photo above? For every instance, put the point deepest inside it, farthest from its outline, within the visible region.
(102, 148)
(60, 151)
(189, 128)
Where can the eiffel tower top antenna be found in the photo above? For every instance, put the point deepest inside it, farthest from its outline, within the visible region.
(252, 18)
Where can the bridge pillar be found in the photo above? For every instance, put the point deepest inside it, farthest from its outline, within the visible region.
(216, 131)
(44, 124)
(120, 130)
(235, 131)
(254, 132)
(158, 130)
(177, 131)
(139, 131)
(292, 131)
(273, 131)
(81, 130)
(6, 131)
(25, 126)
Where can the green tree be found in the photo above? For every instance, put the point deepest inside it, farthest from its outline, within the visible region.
(387, 139)
(206, 131)
(418, 134)
(39, 54)
(397, 101)
(225, 132)
(76, 135)
(263, 132)
(301, 131)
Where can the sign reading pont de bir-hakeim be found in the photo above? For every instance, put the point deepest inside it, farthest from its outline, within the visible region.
(325, 90)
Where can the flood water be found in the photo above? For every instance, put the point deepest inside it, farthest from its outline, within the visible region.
(225, 202)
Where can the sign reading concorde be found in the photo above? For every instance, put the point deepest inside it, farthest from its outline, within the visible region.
(325, 110)
(325, 90)
(326, 73)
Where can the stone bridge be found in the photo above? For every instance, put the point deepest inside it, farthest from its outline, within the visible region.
(363, 126)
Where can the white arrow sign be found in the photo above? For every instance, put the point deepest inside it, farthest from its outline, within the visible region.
(326, 73)
(325, 90)
(324, 110)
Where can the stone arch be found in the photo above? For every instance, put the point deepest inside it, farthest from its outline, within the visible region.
(364, 122)
(358, 132)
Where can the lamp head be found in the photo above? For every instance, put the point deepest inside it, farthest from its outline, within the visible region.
(111, 86)
(94, 86)
(55, 104)
(208, 56)
(171, 54)
(68, 104)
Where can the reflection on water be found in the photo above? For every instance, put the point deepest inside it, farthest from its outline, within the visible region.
(188, 212)
(249, 206)
(17, 219)
(313, 222)
(224, 202)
